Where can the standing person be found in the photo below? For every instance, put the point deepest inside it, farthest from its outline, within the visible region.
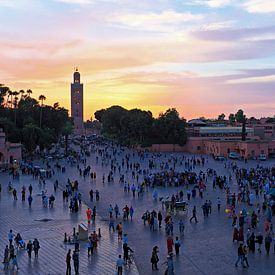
(23, 192)
(240, 255)
(119, 231)
(155, 258)
(97, 195)
(30, 189)
(10, 237)
(94, 213)
(131, 212)
(259, 240)
(30, 200)
(119, 265)
(14, 192)
(36, 247)
(133, 189)
(68, 262)
(111, 224)
(14, 263)
(268, 241)
(116, 208)
(194, 216)
(251, 242)
(177, 245)
(6, 258)
(91, 195)
(170, 244)
(76, 262)
(29, 248)
(181, 226)
(245, 254)
(89, 215)
(159, 218)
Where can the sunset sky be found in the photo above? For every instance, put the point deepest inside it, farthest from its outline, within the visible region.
(201, 57)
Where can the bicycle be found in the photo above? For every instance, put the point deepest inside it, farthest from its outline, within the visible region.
(130, 259)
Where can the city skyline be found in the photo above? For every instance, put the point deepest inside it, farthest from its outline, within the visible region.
(201, 57)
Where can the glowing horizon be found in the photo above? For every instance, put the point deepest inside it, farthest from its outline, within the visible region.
(202, 57)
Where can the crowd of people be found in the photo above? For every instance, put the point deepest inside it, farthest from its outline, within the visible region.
(245, 195)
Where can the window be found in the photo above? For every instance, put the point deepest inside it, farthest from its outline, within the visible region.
(198, 148)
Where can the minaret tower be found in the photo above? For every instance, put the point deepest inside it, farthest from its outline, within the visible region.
(77, 103)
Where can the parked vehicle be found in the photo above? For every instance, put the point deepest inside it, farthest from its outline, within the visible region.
(234, 155)
(220, 158)
(262, 157)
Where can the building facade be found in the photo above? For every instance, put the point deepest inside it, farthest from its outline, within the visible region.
(77, 103)
(9, 152)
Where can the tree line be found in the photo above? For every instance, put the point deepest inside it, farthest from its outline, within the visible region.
(29, 121)
(138, 127)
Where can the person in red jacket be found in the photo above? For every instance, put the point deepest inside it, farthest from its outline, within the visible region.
(170, 244)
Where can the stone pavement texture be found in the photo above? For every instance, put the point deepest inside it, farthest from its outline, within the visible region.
(207, 247)
(17, 215)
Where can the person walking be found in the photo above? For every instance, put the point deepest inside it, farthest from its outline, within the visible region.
(194, 216)
(126, 250)
(240, 256)
(14, 263)
(36, 247)
(29, 248)
(177, 245)
(76, 262)
(155, 258)
(245, 254)
(268, 241)
(68, 262)
(119, 265)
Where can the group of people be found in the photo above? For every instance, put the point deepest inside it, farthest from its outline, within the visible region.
(15, 244)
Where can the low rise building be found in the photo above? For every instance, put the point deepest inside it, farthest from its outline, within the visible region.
(9, 152)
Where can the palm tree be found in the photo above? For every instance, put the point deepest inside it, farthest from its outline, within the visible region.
(21, 92)
(55, 105)
(42, 98)
(29, 92)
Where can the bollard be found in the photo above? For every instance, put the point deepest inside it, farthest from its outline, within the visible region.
(65, 237)
(99, 233)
